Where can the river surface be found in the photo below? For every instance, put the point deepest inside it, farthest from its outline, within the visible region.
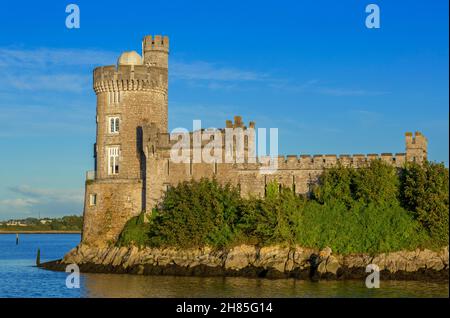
(20, 278)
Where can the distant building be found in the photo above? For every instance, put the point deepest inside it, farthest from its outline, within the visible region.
(15, 223)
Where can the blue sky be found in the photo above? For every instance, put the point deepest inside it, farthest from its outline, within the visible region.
(310, 68)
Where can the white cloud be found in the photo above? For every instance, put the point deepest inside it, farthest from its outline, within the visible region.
(316, 86)
(200, 70)
(45, 57)
(347, 92)
(46, 69)
(47, 202)
(59, 195)
(56, 82)
(56, 69)
(19, 202)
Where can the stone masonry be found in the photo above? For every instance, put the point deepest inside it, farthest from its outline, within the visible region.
(132, 153)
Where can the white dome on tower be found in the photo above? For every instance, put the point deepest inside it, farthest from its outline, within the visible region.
(130, 58)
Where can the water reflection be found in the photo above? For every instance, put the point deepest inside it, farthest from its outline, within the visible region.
(113, 285)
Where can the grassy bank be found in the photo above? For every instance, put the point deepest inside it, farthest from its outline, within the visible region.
(374, 209)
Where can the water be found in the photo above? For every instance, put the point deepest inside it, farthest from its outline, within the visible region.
(20, 278)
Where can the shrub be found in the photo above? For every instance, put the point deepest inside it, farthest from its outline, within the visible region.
(364, 228)
(424, 191)
(196, 213)
(376, 182)
(335, 184)
(272, 220)
(135, 232)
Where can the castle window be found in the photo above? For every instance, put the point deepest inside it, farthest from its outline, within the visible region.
(113, 97)
(113, 160)
(93, 199)
(113, 123)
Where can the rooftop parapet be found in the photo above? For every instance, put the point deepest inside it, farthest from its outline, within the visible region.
(155, 43)
(417, 139)
(238, 123)
(164, 141)
(128, 77)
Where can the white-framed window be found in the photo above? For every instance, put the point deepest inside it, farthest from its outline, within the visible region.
(113, 159)
(93, 199)
(113, 125)
(114, 97)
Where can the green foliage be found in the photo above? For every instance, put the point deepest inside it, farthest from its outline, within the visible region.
(365, 228)
(272, 220)
(424, 191)
(375, 183)
(370, 209)
(135, 232)
(195, 214)
(335, 184)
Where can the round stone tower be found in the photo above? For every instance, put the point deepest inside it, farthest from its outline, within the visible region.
(130, 95)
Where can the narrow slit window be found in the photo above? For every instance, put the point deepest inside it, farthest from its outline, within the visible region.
(113, 160)
(93, 199)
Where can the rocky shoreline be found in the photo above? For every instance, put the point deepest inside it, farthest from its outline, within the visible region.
(259, 262)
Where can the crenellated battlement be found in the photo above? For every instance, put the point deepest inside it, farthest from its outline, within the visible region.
(320, 162)
(155, 51)
(416, 147)
(129, 77)
(155, 43)
(238, 123)
(163, 142)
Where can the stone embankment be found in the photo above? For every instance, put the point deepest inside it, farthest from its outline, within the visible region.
(253, 261)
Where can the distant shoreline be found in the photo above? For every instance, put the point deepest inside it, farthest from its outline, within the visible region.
(39, 232)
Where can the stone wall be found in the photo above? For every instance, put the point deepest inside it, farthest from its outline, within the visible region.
(116, 202)
(299, 173)
(246, 260)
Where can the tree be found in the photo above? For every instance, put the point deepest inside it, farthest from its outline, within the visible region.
(376, 183)
(424, 191)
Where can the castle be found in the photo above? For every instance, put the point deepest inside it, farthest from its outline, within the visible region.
(133, 166)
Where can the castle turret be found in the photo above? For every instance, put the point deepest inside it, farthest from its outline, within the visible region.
(155, 51)
(130, 95)
(416, 147)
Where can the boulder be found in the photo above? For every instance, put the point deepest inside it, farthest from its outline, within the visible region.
(240, 257)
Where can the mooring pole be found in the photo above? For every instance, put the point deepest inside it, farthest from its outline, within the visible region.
(17, 238)
(38, 257)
